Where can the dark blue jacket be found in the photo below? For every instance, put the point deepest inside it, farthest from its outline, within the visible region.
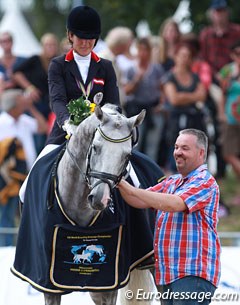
(63, 76)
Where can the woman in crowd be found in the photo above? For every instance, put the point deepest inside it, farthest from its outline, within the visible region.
(169, 38)
(32, 76)
(186, 96)
(143, 91)
(8, 61)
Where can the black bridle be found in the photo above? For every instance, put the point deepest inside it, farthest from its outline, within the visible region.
(101, 176)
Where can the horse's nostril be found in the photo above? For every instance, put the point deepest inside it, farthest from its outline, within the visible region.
(90, 199)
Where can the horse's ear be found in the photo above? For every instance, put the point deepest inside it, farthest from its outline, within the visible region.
(98, 112)
(138, 119)
(101, 115)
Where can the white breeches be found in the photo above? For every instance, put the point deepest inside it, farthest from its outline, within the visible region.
(48, 148)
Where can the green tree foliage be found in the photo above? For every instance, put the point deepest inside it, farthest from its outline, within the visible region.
(129, 13)
(49, 15)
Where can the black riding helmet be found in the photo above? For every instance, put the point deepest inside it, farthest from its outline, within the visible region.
(84, 22)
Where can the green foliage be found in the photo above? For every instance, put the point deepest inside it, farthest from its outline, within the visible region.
(50, 16)
(129, 13)
(47, 16)
(79, 110)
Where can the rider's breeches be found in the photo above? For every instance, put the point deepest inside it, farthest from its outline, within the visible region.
(48, 148)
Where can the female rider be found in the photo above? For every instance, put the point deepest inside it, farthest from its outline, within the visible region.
(78, 73)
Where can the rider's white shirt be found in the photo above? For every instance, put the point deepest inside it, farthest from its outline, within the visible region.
(83, 63)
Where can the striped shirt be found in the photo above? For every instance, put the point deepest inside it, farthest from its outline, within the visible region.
(187, 243)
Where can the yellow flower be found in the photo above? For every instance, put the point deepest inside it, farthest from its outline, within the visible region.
(92, 107)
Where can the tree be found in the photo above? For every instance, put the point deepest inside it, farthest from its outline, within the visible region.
(50, 15)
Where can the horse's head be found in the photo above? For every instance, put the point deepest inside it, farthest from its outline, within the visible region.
(109, 152)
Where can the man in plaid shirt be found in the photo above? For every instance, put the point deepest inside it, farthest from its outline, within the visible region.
(187, 247)
(216, 38)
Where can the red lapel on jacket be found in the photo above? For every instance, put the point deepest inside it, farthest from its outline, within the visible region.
(69, 56)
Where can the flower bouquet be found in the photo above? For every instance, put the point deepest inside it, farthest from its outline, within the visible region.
(79, 110)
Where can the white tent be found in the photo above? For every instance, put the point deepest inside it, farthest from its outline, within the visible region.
(182, 16)
(25, 43)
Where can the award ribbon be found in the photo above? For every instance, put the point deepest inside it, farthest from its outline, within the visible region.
(85, 92)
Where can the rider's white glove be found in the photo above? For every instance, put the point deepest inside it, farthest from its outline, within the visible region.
(68, 127)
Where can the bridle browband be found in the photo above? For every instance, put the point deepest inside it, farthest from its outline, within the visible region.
(113, 140)
(101, 176)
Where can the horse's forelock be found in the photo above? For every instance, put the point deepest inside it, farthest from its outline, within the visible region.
(111, 109)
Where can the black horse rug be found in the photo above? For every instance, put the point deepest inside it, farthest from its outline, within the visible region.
(55, 255)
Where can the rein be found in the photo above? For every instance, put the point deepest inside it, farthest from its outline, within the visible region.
(101, 176)
(75, 162)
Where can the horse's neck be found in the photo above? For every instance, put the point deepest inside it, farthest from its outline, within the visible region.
(73, 189)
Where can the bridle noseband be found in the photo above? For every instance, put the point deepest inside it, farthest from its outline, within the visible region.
(101, 176)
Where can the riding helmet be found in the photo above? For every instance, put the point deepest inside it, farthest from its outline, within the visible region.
(84, 22)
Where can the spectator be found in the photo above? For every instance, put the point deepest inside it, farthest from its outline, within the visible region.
(143, 91)
(8, 61)
(216, 38)
(169, 39)
(186, 96)
(229, 108)
(199, 66)
(187, 246)
(12, 173)
(118, 42)
(65, 46)
(32, 77)
(205, 73)
(14, 124)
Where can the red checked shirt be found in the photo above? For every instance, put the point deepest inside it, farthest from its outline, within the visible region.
(187, 243)
(216, 49)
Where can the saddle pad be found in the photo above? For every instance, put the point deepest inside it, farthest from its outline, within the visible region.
(86, 260)
(44, 225)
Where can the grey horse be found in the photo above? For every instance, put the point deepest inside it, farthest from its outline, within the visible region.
(77, 194)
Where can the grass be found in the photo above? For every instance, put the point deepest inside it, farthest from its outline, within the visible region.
(229, 189)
